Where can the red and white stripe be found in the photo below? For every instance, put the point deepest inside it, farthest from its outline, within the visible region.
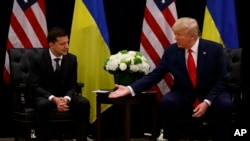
(28, 28)
(156, 35)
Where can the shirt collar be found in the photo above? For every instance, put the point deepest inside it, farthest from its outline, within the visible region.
(195, 46)
(53, 56)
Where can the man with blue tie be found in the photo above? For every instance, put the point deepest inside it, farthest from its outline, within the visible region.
(53, 79)
(200, 75)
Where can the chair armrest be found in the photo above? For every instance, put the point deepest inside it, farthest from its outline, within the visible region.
(19, 99)
(79, 89)
(235, 90)
(235, 86)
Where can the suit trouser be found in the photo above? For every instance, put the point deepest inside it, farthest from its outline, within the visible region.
(175, 106)
(78, 105)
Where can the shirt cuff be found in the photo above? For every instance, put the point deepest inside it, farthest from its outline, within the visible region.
(131, 90)
(67, 98)
(50, 97)
(208, 102)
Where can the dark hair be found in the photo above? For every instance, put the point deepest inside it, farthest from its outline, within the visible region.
(54, 33)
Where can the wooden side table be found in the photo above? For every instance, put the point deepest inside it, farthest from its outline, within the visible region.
(147, 97)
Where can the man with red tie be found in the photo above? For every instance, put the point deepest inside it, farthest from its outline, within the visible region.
(200, 75)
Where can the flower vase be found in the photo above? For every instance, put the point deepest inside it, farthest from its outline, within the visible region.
(126, 78)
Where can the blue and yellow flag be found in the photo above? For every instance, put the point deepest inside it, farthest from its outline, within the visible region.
(89, 41)
(220, 23)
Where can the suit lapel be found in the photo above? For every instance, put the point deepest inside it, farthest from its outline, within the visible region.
(201, 60)
(183, 65)
(64, 67)
(183, 61)
(48, 63)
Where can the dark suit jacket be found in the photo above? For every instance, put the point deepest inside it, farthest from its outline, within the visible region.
(211, 71)
(42, 75)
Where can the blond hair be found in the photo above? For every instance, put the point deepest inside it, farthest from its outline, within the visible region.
(189, 25)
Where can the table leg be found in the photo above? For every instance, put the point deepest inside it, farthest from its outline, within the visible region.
(127, 122)
(154, 123)
(98, 114)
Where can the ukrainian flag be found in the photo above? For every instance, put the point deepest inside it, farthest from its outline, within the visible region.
(220, 23)
(89, 41)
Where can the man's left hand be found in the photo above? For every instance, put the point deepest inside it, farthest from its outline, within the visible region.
(200, 110)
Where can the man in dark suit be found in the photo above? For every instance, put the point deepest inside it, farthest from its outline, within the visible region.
(207, 89)
(54, 87)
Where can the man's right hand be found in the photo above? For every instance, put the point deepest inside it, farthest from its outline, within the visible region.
(120, 91)
(61, 104)
(62, 107)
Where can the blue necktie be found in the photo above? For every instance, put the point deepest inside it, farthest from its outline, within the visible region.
(58, 67)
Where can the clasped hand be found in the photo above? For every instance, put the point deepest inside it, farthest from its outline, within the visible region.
(61, 104)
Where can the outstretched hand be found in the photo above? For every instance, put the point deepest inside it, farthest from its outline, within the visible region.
(120, 91)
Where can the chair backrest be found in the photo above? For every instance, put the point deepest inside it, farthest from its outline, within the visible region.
(19, 59)
(233, 61)
(19, 62)
(234, 87)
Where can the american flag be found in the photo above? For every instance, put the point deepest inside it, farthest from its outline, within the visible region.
(159, 16)
(28, 28)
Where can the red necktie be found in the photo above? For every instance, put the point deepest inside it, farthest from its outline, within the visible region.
(192, 73)
(191, 67)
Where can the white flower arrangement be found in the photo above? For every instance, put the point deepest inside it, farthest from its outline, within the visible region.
(127, 61)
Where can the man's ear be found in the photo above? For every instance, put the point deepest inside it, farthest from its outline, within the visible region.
(51, 44)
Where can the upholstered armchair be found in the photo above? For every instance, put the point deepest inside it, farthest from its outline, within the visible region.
(23, 118)
(234, 64)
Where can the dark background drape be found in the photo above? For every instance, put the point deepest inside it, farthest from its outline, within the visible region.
(124, 20)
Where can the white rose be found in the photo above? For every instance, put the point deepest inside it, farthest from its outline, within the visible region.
(131, 53)
(145, 67)
(112, 65)
(134, 68)
(123, 66)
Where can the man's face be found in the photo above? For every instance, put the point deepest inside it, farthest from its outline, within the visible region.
(183, 40)
(60, 47)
